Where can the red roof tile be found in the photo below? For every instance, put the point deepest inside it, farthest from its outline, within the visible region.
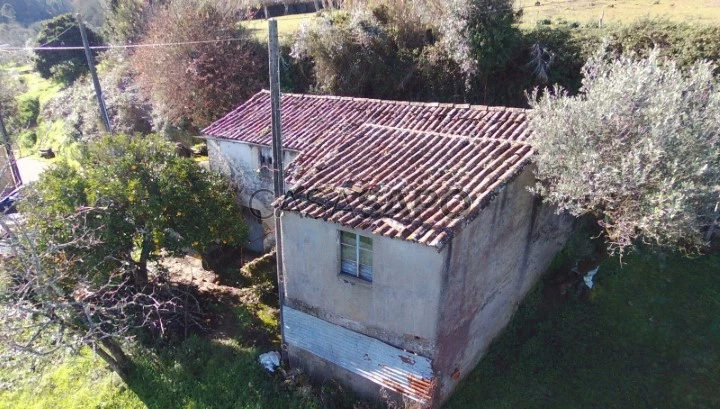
(308, 119)
(414, 171)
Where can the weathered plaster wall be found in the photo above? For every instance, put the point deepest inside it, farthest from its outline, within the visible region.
(492, 264)
(240, 163)
(399, 307)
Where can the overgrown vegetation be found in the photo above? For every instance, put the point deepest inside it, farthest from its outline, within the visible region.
(104, 224)
(199, 82)
(80, 267)
(638, 149)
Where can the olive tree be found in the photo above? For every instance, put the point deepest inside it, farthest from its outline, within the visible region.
(638, 148)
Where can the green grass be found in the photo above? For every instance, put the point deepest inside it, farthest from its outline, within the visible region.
(287, 25)
(619, 11)
(77, 382)
(41, 90)
(647, 336)
(201, 372)
(38, 87)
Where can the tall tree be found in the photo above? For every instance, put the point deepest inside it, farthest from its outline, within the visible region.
(638, 148)
(65, 65)
(217, 66)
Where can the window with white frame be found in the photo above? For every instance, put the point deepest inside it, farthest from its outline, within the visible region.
(356, 254)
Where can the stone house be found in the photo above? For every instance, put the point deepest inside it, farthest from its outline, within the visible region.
(409, 233)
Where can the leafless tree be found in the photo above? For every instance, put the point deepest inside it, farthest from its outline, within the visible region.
(47, 305)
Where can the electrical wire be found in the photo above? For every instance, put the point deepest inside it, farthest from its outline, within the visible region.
(125, 46)
(59, 35)
(129, 46)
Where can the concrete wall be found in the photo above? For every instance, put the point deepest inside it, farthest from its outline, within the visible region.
(492, 264)
(240, 163)
(400, 307)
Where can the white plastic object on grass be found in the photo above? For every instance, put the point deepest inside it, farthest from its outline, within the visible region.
(270, 360)
(588, 279)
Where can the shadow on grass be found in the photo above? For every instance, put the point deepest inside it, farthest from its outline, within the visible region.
(202, 373)
(648, 335)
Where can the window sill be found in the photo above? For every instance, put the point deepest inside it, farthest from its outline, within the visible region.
(352, 280)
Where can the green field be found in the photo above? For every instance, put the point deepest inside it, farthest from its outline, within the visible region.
(647, 336)
(584, 12)
(619, 11)
(287, 25)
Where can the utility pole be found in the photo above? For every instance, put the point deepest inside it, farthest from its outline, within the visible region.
(10, 155)
(96, 82)
(278, 175)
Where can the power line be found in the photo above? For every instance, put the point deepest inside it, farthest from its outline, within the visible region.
(59, 35)
(125, 46)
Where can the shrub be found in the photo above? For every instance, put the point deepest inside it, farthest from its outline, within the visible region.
(28, 111)
(638, 149)
(27, 139)
(262, 270)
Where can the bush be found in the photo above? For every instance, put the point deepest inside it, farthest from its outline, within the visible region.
(27, 139)
(638, 149)
(681, 42)
(77, 107)
(262, 270)
(28, 111)
(199, 82)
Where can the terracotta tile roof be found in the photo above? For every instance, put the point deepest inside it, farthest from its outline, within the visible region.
(309, 119)
(414, 171)
(415, 185)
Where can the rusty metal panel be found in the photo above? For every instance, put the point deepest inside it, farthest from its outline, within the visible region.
(383, 364)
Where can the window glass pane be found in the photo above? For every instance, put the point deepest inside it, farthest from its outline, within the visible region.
(349, 267)
(348, 238)
(365, 243)
(348, 253)
(366, 258)
(365, 273)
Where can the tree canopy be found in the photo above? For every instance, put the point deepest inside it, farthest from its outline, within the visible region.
(65, 65)
(638, 148)
(147, 201)
(79, 270)
(201, 81)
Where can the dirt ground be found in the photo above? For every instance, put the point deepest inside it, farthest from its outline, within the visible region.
(236, 309)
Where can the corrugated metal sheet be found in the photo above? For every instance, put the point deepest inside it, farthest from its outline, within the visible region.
(383, 364)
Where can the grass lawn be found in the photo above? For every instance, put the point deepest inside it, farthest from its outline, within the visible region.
(287, 25)
(647, 336)
(619, 11)
(563, 11)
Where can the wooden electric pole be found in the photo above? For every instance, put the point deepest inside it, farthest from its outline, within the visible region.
(10, 155)
(93, 73)
(278, 174)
